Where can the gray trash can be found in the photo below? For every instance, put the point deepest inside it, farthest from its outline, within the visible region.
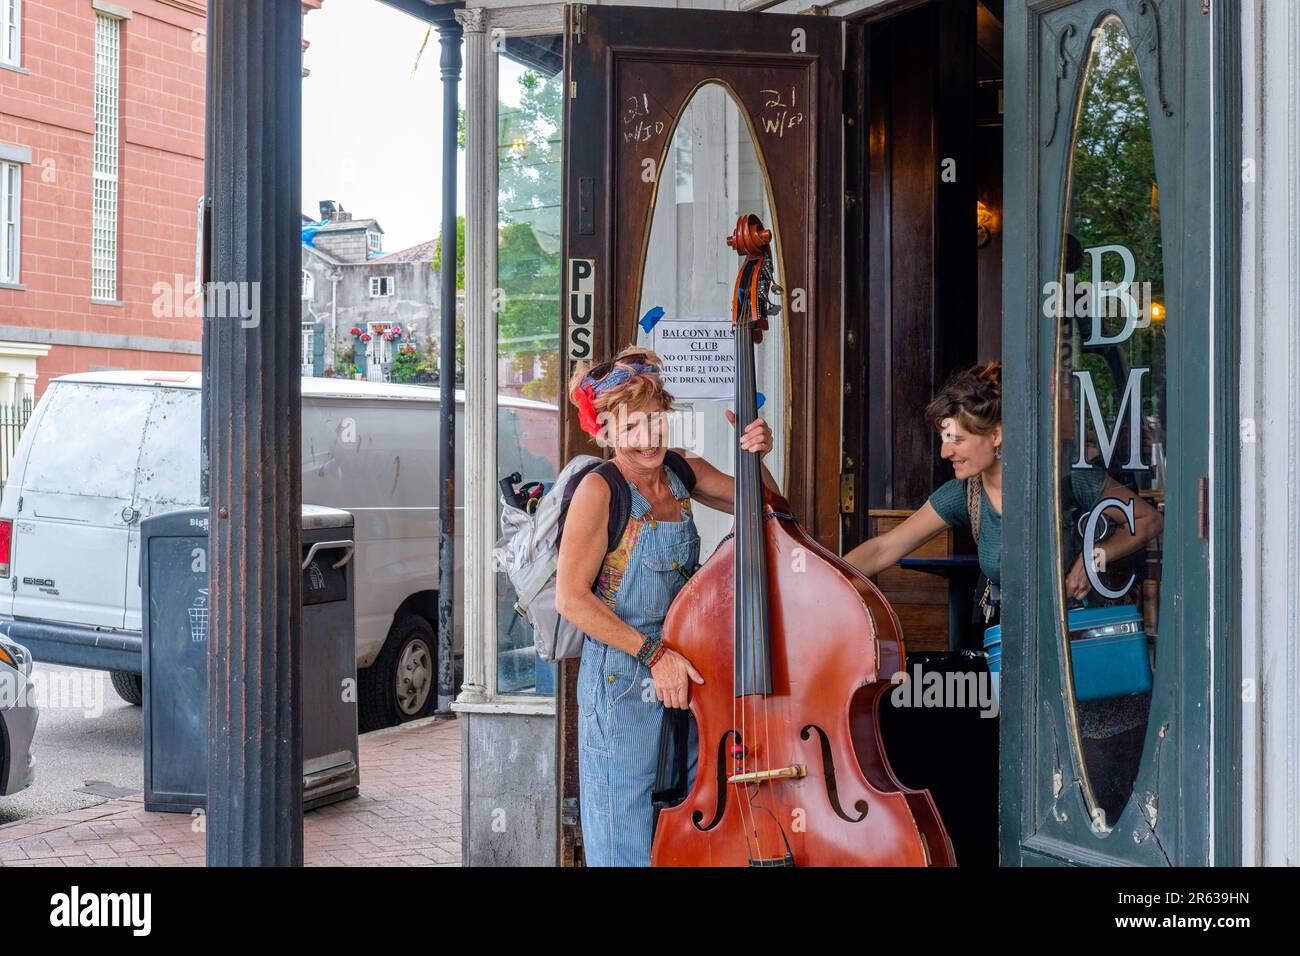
(174, 584)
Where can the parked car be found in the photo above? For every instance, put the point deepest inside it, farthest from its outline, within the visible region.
(105, 449)
(18, 715)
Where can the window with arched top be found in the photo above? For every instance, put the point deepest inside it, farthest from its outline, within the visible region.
(712, 173)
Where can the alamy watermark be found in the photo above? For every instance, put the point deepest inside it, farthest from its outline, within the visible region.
(933, 688)
(1132, 301)
(71, 689)
(215, 300)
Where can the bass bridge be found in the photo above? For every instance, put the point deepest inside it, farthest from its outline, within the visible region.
(794, 772)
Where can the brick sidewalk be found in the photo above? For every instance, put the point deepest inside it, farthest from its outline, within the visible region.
(408, 814)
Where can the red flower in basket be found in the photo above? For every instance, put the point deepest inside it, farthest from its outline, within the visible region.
(388, 336)
(365, 336)
(397, 331)
(355, 330)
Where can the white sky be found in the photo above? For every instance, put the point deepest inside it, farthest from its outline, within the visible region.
(371, 127)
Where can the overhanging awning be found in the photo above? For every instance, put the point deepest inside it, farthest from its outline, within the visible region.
(427, 10)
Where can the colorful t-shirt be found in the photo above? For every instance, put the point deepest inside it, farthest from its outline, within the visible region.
(949, 500)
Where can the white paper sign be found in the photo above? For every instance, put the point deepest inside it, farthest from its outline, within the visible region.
(699, 357)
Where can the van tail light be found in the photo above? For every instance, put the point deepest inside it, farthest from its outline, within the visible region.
(6, 543)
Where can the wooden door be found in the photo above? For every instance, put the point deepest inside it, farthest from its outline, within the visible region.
(674, 121)
(1107, 138)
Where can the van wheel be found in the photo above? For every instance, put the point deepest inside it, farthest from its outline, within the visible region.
(130, 687)
(402, 683)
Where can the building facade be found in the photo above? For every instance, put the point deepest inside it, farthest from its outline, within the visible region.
(101, 146)
(101, 170)
(367, 313)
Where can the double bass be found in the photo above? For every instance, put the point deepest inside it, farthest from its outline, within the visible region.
(796, 648)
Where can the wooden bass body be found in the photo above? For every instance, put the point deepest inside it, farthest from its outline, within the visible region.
(811, 784)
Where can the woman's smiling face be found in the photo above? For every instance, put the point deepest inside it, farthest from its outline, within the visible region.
(640, 436)
(969, 453)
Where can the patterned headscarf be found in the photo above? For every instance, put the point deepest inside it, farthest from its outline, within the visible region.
(586, 393)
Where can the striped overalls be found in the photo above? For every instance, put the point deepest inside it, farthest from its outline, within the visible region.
(619, 717)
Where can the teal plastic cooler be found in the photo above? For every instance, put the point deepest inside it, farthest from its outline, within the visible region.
(1108, 651)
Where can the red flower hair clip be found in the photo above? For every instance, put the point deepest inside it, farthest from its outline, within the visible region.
(584, 397)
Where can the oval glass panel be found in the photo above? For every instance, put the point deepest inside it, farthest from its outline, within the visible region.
(1111, 419)
(712, 174)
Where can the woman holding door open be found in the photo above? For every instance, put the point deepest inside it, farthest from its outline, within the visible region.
(967, 414)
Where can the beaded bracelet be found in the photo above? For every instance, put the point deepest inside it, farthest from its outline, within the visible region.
(648, 647)
(660, 649)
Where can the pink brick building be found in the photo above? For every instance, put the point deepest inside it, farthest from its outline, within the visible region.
(101, 168)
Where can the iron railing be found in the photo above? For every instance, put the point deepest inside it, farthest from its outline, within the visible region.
(13, 419)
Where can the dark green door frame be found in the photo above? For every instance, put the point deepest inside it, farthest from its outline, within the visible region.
(1185, 809)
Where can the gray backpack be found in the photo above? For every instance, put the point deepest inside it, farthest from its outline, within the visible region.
(529, 547)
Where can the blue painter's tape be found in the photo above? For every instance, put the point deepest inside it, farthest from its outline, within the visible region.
(651, 318)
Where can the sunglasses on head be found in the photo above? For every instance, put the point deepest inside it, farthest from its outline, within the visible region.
(604, 368)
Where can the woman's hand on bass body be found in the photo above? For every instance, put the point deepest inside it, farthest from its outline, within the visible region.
(673, 675)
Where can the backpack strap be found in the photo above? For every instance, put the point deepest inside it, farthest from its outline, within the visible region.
(620, 497)
(682, 469)
(974, 486)
(620, 500)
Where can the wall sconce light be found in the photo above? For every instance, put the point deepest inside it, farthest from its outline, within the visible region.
(983, 225)
(1157, 312)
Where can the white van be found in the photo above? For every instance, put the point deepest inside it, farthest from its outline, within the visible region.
(105, 449)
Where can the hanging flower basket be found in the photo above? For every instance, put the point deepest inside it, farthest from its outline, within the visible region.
(356, 330)
(397, 331)
(365, 336)
(388, 336)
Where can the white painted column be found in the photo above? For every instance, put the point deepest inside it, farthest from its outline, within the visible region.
(480, 481)
(1270, 446)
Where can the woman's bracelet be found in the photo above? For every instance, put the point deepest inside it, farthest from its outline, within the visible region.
(660, 649)
(648, 648)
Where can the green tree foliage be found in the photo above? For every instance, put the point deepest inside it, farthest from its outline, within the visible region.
(406, 365)
(1115, 199)
(436, 264)
(528, 236)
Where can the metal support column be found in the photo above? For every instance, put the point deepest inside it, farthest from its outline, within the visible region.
(449, 37)
(251, 346)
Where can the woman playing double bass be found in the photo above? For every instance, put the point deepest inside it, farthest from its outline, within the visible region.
(620, 598)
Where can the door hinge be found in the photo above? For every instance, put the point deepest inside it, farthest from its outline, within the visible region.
(846, 493)
(578, 22)
(1205, 8)
(569, 812)
(850, 197)
(573, 89)
(1203, 507)
(20, 502)
(13, 583)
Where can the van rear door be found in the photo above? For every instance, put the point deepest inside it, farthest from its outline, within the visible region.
(167, 476)
(76, 507)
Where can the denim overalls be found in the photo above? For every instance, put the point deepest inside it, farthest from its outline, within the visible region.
(619, 716)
